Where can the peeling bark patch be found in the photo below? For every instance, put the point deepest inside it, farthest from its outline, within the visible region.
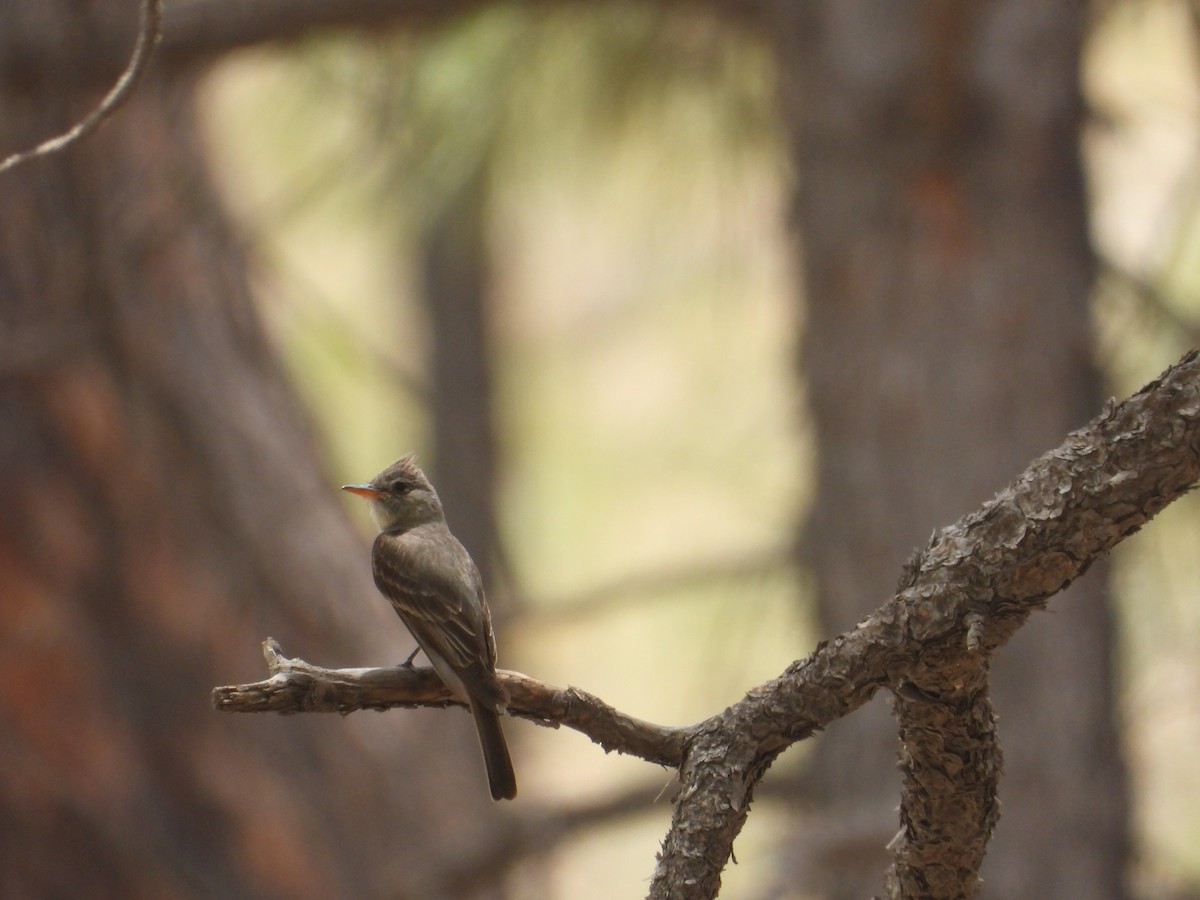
(1042, 576)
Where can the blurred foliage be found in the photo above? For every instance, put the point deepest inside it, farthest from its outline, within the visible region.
(1143, 151)
(643, 320)
(646, 325)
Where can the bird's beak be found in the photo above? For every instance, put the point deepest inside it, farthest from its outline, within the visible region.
(363, 490)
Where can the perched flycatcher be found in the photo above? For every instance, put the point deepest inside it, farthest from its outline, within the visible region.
(435, 587)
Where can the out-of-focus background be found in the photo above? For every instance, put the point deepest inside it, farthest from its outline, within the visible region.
(702, 316)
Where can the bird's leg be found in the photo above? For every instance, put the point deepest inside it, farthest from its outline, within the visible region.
(408, 664)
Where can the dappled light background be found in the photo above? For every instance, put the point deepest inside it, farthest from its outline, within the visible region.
(1143, 153)
(652, 438)
(643, 331)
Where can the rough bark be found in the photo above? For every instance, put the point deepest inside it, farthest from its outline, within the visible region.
(941, 215)
(296, 686)
(964, 596)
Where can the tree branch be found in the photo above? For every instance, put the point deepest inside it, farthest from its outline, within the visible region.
(204, 29)
(959, 600)
(632, 590)
(296, 686)
(538, 833)
(1150, 299)
(149, 29)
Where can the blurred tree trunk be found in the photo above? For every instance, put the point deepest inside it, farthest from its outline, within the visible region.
(454, 268)
(942, 218)
(162, 509)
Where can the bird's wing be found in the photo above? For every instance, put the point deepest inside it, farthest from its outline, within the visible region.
(435, 587)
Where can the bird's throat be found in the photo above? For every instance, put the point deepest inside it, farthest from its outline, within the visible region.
(380, 514)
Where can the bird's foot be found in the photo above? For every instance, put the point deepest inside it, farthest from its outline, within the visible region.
(408, 663)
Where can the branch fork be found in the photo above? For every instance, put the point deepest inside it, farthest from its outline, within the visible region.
(960, 599)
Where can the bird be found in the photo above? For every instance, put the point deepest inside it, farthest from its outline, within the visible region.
(435, 588)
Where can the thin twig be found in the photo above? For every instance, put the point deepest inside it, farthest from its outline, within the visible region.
(149, 32)
(1152, 300)
(540, 831)
(632, 590)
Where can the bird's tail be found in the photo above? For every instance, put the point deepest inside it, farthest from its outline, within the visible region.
(501, 777)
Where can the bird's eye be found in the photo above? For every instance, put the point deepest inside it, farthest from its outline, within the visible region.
(401, 487)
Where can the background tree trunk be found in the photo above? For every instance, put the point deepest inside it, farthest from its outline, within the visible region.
(162, 508)
(162, 504)
(454, 268)
(942, 218)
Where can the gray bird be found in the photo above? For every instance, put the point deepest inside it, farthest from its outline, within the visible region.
(435, 587)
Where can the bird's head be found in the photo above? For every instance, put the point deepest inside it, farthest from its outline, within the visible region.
(401, 496)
